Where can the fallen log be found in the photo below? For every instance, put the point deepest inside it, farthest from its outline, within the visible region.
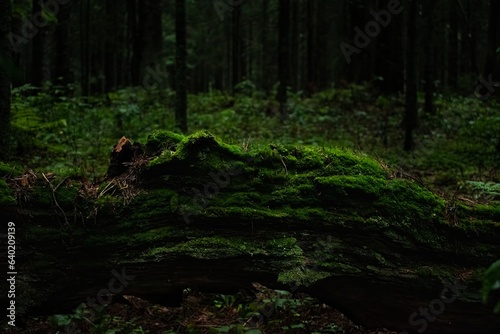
(194, 212)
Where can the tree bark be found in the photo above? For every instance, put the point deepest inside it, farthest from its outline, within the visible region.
(38, 51)
(195, 212)
(5, 76)
(236, 46)
(180, 66)
(429, 54)
(62, 72)
(410, 116)
(491, 66)
(283, 56)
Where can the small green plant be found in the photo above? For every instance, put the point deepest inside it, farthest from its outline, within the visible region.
(491, 283)
(484, 190)
(100, 324)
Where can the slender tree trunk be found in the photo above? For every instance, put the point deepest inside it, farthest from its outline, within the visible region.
(491, 66)
(283, 56)
(264, 51)
(180, 66)
(5, 76)
(149, 42)
(428, 57)
(110, 47)
(311, 46)
(453, 53)
(410, 117)
(62, 74)
(236, 46)
(38, 50)
(134, 40)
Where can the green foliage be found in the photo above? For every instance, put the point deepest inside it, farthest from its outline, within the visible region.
(100, 324)
(6, 194)
(483, 190)
(491, 283)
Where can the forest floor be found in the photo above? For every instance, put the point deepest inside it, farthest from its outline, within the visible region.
(207, 313)
(457, 154)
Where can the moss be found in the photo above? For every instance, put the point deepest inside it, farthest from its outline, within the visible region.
(65, 195)
(154, 206)
(284, 247)
(354, 187)
(299, 276)
(207, 248)
(160, 235)
(197, 153)
(219, 247)
(162, 140)
(7, 170)
(404, 199)
(6, 194)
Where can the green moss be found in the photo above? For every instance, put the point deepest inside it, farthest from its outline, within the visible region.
(207, 248)
(7, 170)
(405, 199)
(219, 247)
(299, 276)
(152, 207)
(162, 140)
(199, 152)
(42, 196)
(161, 235)
(284, 247)
(355, 187)
(6, 194)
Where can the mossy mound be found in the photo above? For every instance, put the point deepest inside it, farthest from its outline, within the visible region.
(216, 180)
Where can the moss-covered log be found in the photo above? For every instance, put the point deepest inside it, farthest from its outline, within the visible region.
(196, 212)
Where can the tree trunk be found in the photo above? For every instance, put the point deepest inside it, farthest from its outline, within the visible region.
(111, 45)
(453, 52)
(311, 46)
(410, 117)
(428, 49)
(180, 66)
(38, 50)
(236, 46)
(491, 66)
(133, 32)
(264, 63)
(62, 73)
(195, 212)
(5, 76)
(283, 56)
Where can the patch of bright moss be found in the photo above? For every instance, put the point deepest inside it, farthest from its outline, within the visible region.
(301, 276)
(208, 248)
(405, 199)
(162, 140)
(219, 247)
(198, 152)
